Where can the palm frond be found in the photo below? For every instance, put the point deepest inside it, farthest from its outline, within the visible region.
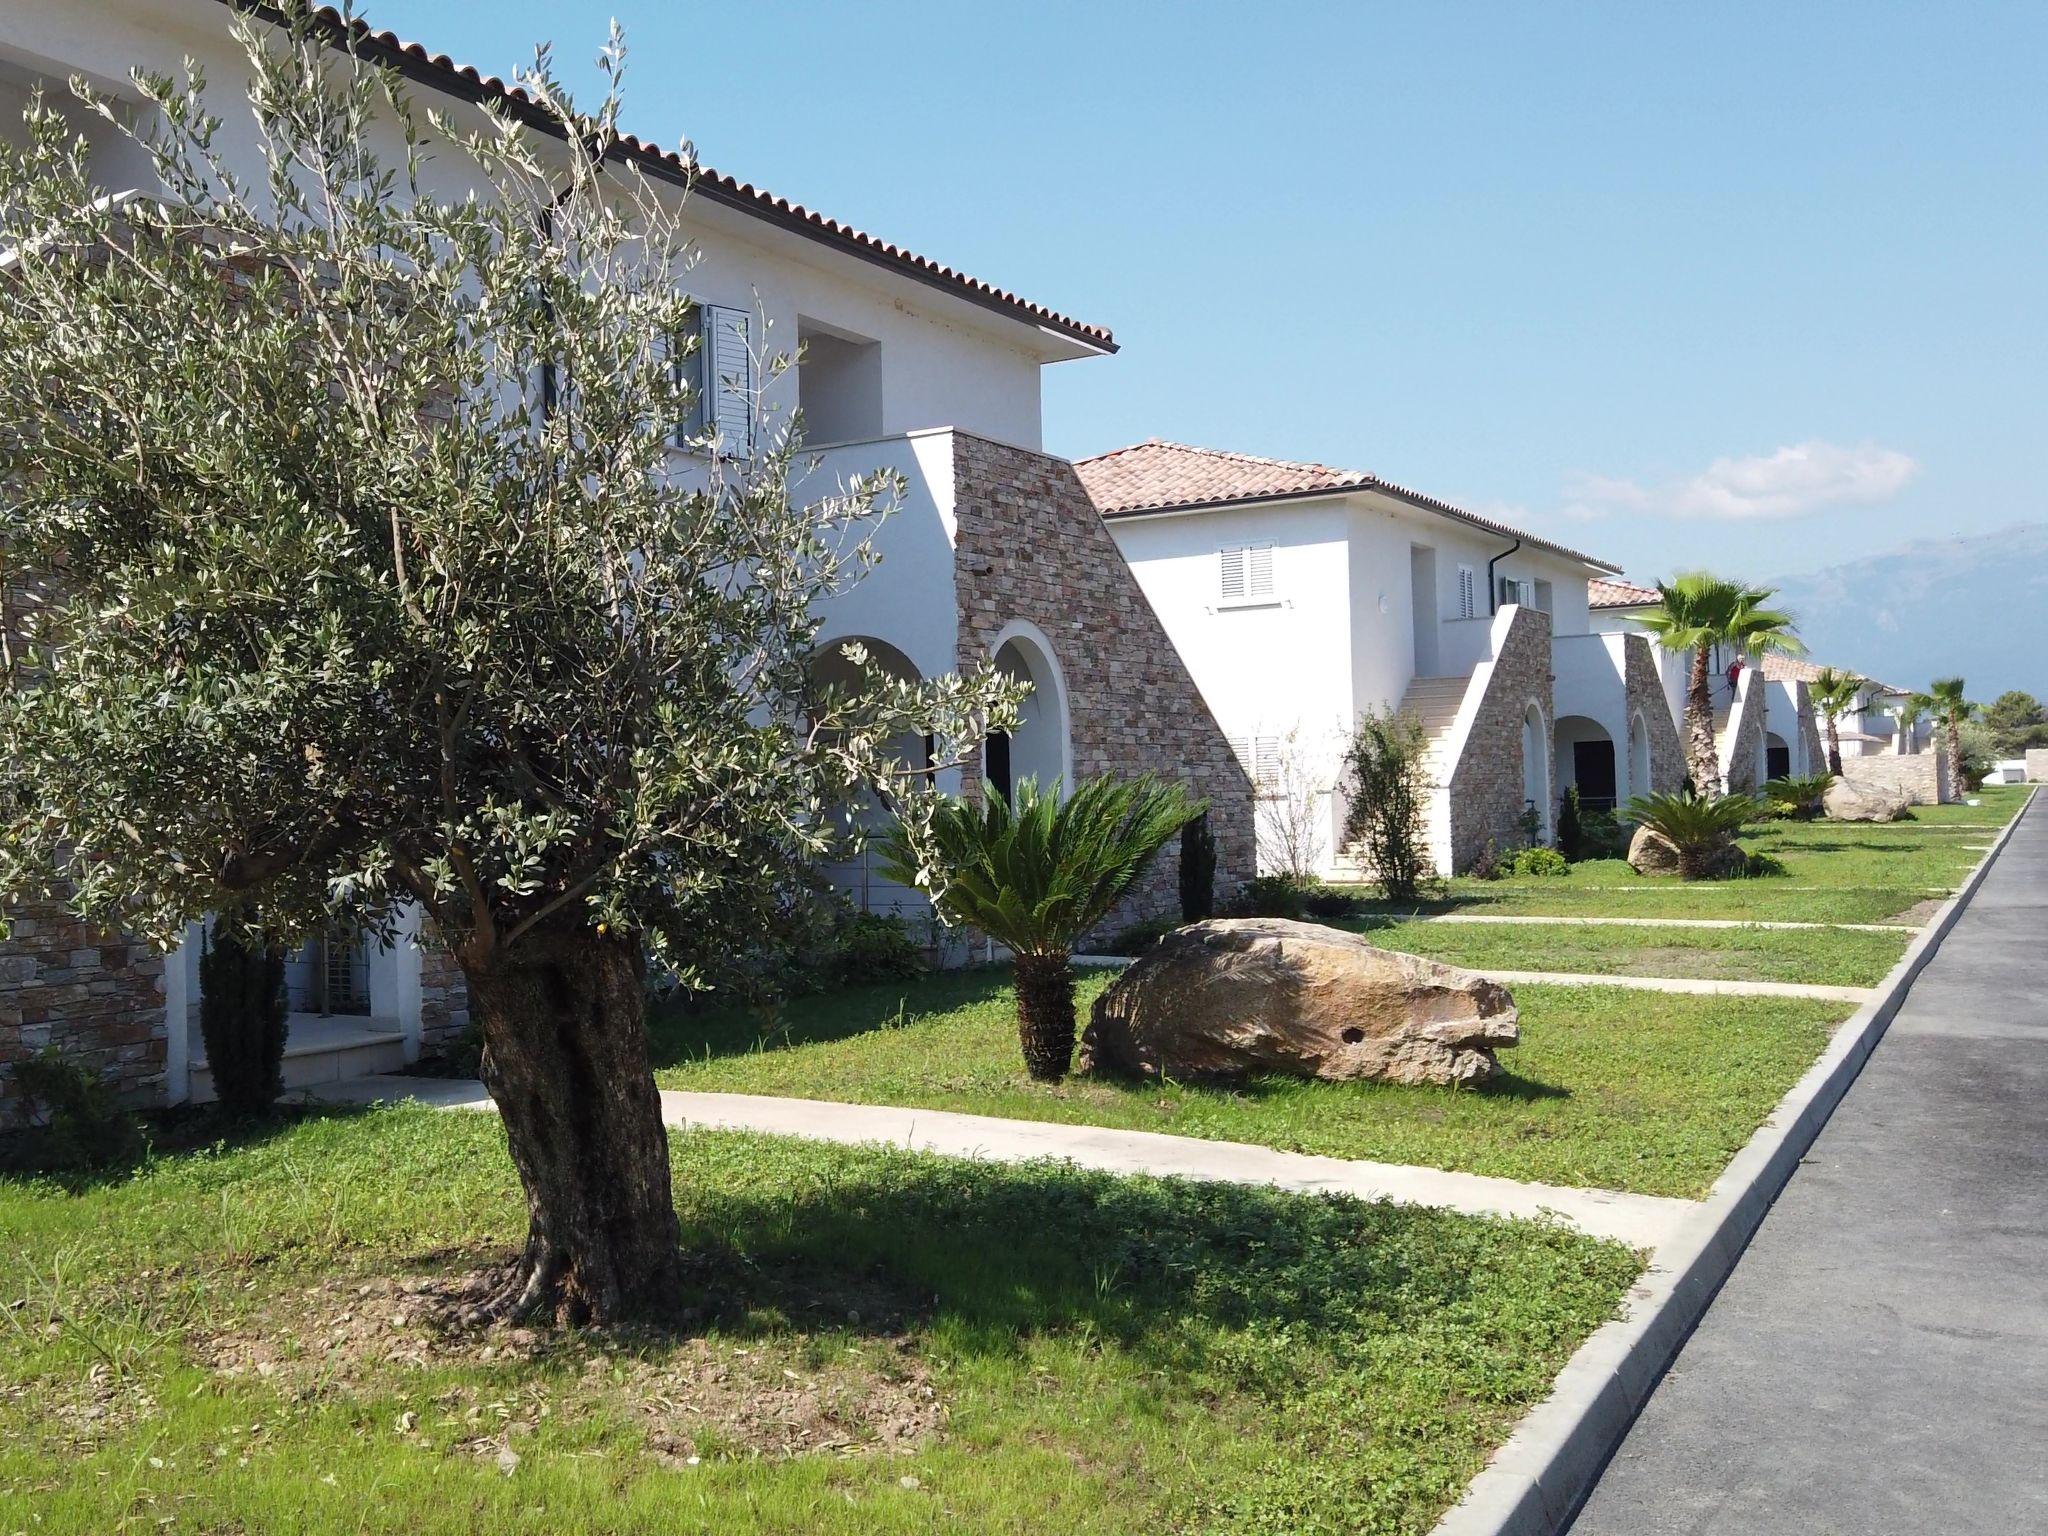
(1034, 873)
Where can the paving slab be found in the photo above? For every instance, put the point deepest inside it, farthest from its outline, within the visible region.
(1877, 1362)
(1641, 1221)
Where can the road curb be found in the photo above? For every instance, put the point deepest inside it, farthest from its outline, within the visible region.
(1534, 1484)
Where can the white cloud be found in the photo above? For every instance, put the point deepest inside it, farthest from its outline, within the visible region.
(1803, 477)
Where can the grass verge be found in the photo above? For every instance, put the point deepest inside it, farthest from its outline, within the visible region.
(1822, 957)
(233, 1341)
(1609, 1089)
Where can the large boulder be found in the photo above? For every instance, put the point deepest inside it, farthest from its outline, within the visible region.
(1235, 996)
(1856, 800)
(1652, 853)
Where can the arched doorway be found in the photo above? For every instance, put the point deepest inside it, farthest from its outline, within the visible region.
(1777, 756)
(852, 865)
(1639, 780)
(1040, 748)
(1536, 770)
(1585, 757)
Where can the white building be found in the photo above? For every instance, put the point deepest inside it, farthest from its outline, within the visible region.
(994, 551)
(1302, 595)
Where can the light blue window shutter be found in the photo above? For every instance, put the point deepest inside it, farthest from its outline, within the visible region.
(728, 388)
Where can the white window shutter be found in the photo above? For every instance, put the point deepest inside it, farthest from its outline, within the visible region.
(1268, 774)
(1241, 748)
(727, 354)
(1467, 592)
(1232, 584)
(1259, 571)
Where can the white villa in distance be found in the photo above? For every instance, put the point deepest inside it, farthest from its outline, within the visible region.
(1301, 595)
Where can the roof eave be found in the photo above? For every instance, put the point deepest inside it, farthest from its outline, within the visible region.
(451, 80)
(1412, 498)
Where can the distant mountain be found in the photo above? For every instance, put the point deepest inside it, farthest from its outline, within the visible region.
(1974, 606)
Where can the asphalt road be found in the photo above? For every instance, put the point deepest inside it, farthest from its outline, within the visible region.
(1878, 1361)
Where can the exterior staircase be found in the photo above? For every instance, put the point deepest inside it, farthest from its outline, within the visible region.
(1434, 701)
(317, 1049)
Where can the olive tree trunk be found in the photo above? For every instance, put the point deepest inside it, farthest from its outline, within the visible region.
(1045, 1015)
(1702, 759)
(565, 1058)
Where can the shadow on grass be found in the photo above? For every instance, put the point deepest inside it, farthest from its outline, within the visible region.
(682, 1031)
(28, 1155)
(1000, 1253)
(1507, 1085)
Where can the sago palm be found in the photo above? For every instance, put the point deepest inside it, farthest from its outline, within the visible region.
(1036, 875)
(1696, 612)
(1833, 693)
(1951, 708)
(1697, 827)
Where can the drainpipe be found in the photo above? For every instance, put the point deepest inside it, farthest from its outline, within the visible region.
(1492, 586)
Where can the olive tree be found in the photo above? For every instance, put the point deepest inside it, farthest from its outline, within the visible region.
(355, 562)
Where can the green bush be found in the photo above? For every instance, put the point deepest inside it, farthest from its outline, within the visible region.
(1571, 827)
(1197, 871)
(1604, 835)
(74, 1122)
(1388, 793)
(1274, 896)
(1545, 863)
(1326, 903)
(1139, 937)
(242, 1016)
(870, 946)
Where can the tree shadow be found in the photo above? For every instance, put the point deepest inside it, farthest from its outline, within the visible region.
(169, 1135)
(1507, 1085)
(683, 1030)
(1000, 1253)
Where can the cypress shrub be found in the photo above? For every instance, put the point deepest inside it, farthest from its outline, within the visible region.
(1389, 793)
(1571, 826)
(1197, 870)
(242, 1016)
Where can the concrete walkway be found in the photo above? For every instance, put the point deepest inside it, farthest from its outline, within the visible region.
(1877, 1364)
(1642, 1221)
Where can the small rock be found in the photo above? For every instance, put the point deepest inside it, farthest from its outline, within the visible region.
(908, 1481)
(508, 1460)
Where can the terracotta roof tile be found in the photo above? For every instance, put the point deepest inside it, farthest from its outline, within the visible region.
(1158, 476)
(1619, 594)
(439, 70)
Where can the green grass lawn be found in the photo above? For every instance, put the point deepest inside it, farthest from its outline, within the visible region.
(233, 1340)
(1820, 956)
(1834, 872)
(1609, 1088)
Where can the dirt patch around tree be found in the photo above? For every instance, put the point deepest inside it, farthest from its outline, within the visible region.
(1920, 914)
(766, 1388)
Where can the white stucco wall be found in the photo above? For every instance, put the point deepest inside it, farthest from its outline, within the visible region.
(942, 360)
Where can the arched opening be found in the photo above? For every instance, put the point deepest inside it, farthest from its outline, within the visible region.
(1639, 780)
(1777, 756)
(1585, 757)
(1039, 747)
(851, 866)
(1536, 771)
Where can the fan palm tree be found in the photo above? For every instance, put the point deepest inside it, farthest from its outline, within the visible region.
(1945, 698)
(1833, 693)
(1696, 612)
(1034, 874)
(1757, 632)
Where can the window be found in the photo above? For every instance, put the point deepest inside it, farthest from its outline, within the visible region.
(1468, 592)
(725, 381)
(1259, 756)
(1246, 573)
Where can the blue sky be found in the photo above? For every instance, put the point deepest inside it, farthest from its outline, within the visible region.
(1760, 287)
